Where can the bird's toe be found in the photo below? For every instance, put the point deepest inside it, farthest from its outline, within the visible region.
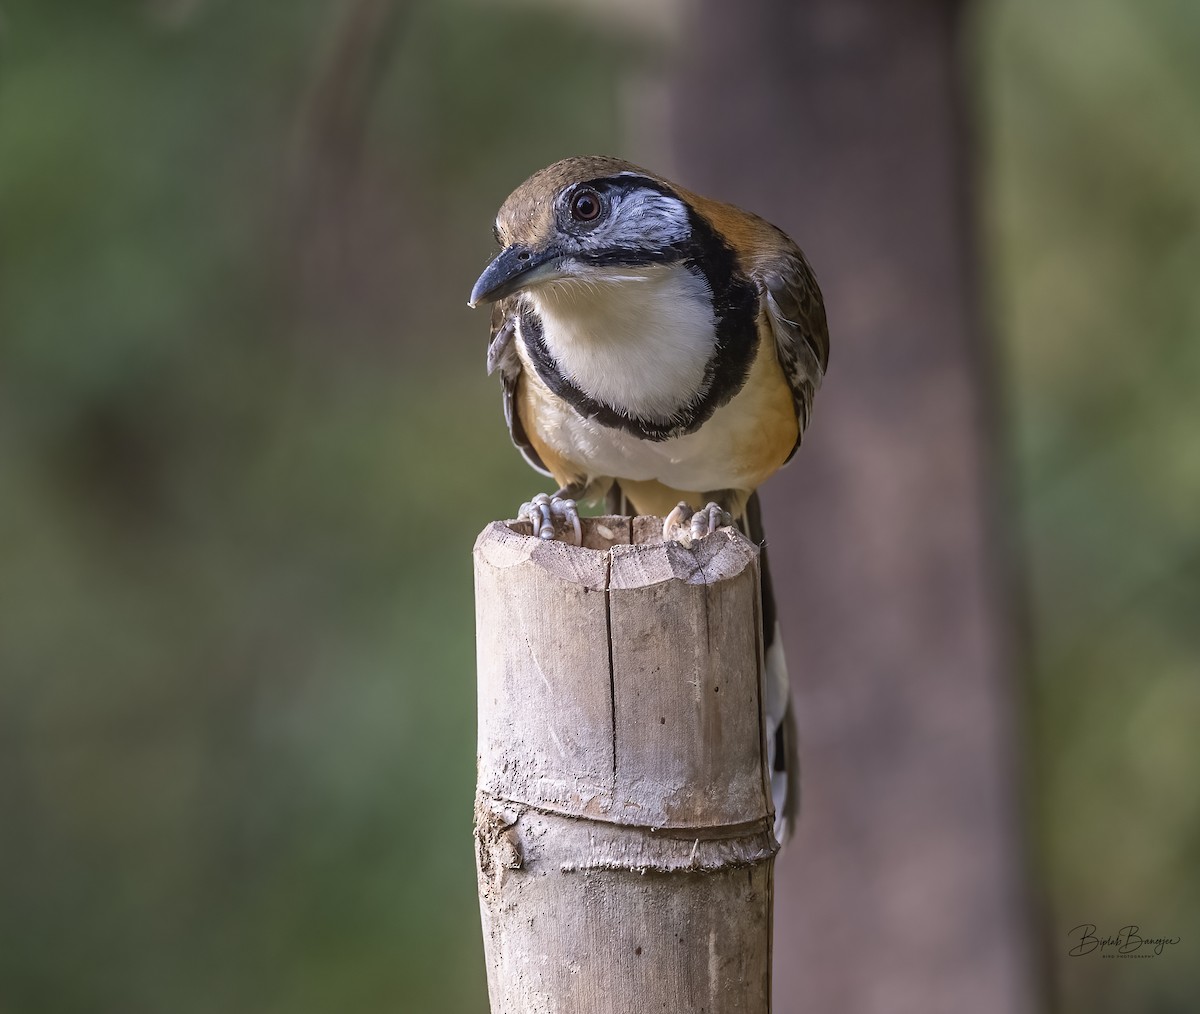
(548, 512)
(708, 519)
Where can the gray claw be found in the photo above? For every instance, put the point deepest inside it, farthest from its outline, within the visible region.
(684, 525)
(675, 523)
(544, 512)
(708, 519)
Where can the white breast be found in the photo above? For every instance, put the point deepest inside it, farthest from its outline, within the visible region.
(714, 457)
(637, 339)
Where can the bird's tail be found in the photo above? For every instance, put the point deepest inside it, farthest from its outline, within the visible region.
(616, 502)
(782, 755)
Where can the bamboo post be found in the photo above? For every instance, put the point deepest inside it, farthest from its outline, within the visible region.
(623, 819)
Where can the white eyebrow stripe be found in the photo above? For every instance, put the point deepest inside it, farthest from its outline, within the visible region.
(646, 218)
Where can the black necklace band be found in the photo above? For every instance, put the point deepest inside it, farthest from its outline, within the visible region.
(735, 307)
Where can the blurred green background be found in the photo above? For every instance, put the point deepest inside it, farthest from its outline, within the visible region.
(246, 442)
(1090, 130)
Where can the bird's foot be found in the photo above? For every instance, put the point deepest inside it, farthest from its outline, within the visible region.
(547, 511)
(685, 526)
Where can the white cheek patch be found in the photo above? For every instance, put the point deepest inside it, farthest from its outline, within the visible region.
(641, 219)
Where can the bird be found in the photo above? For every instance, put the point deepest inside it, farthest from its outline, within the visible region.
(657, 349)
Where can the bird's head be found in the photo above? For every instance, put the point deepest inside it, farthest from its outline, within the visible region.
(581, 221)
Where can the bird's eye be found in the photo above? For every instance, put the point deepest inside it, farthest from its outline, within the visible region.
(585, 206)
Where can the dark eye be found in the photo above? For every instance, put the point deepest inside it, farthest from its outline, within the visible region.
(585, 206)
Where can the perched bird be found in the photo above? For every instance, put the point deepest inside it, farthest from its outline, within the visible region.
(659, 349)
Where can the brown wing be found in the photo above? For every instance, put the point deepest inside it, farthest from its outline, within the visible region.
(789, 299)
(792, 306)
(502, 356)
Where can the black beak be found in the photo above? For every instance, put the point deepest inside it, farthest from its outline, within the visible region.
(508, 272)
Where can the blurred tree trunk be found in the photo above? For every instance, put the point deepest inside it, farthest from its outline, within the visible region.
(904, 892)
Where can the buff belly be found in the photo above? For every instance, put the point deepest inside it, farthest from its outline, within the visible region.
(743, 443)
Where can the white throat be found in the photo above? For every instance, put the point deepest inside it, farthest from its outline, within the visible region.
(635, 338)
